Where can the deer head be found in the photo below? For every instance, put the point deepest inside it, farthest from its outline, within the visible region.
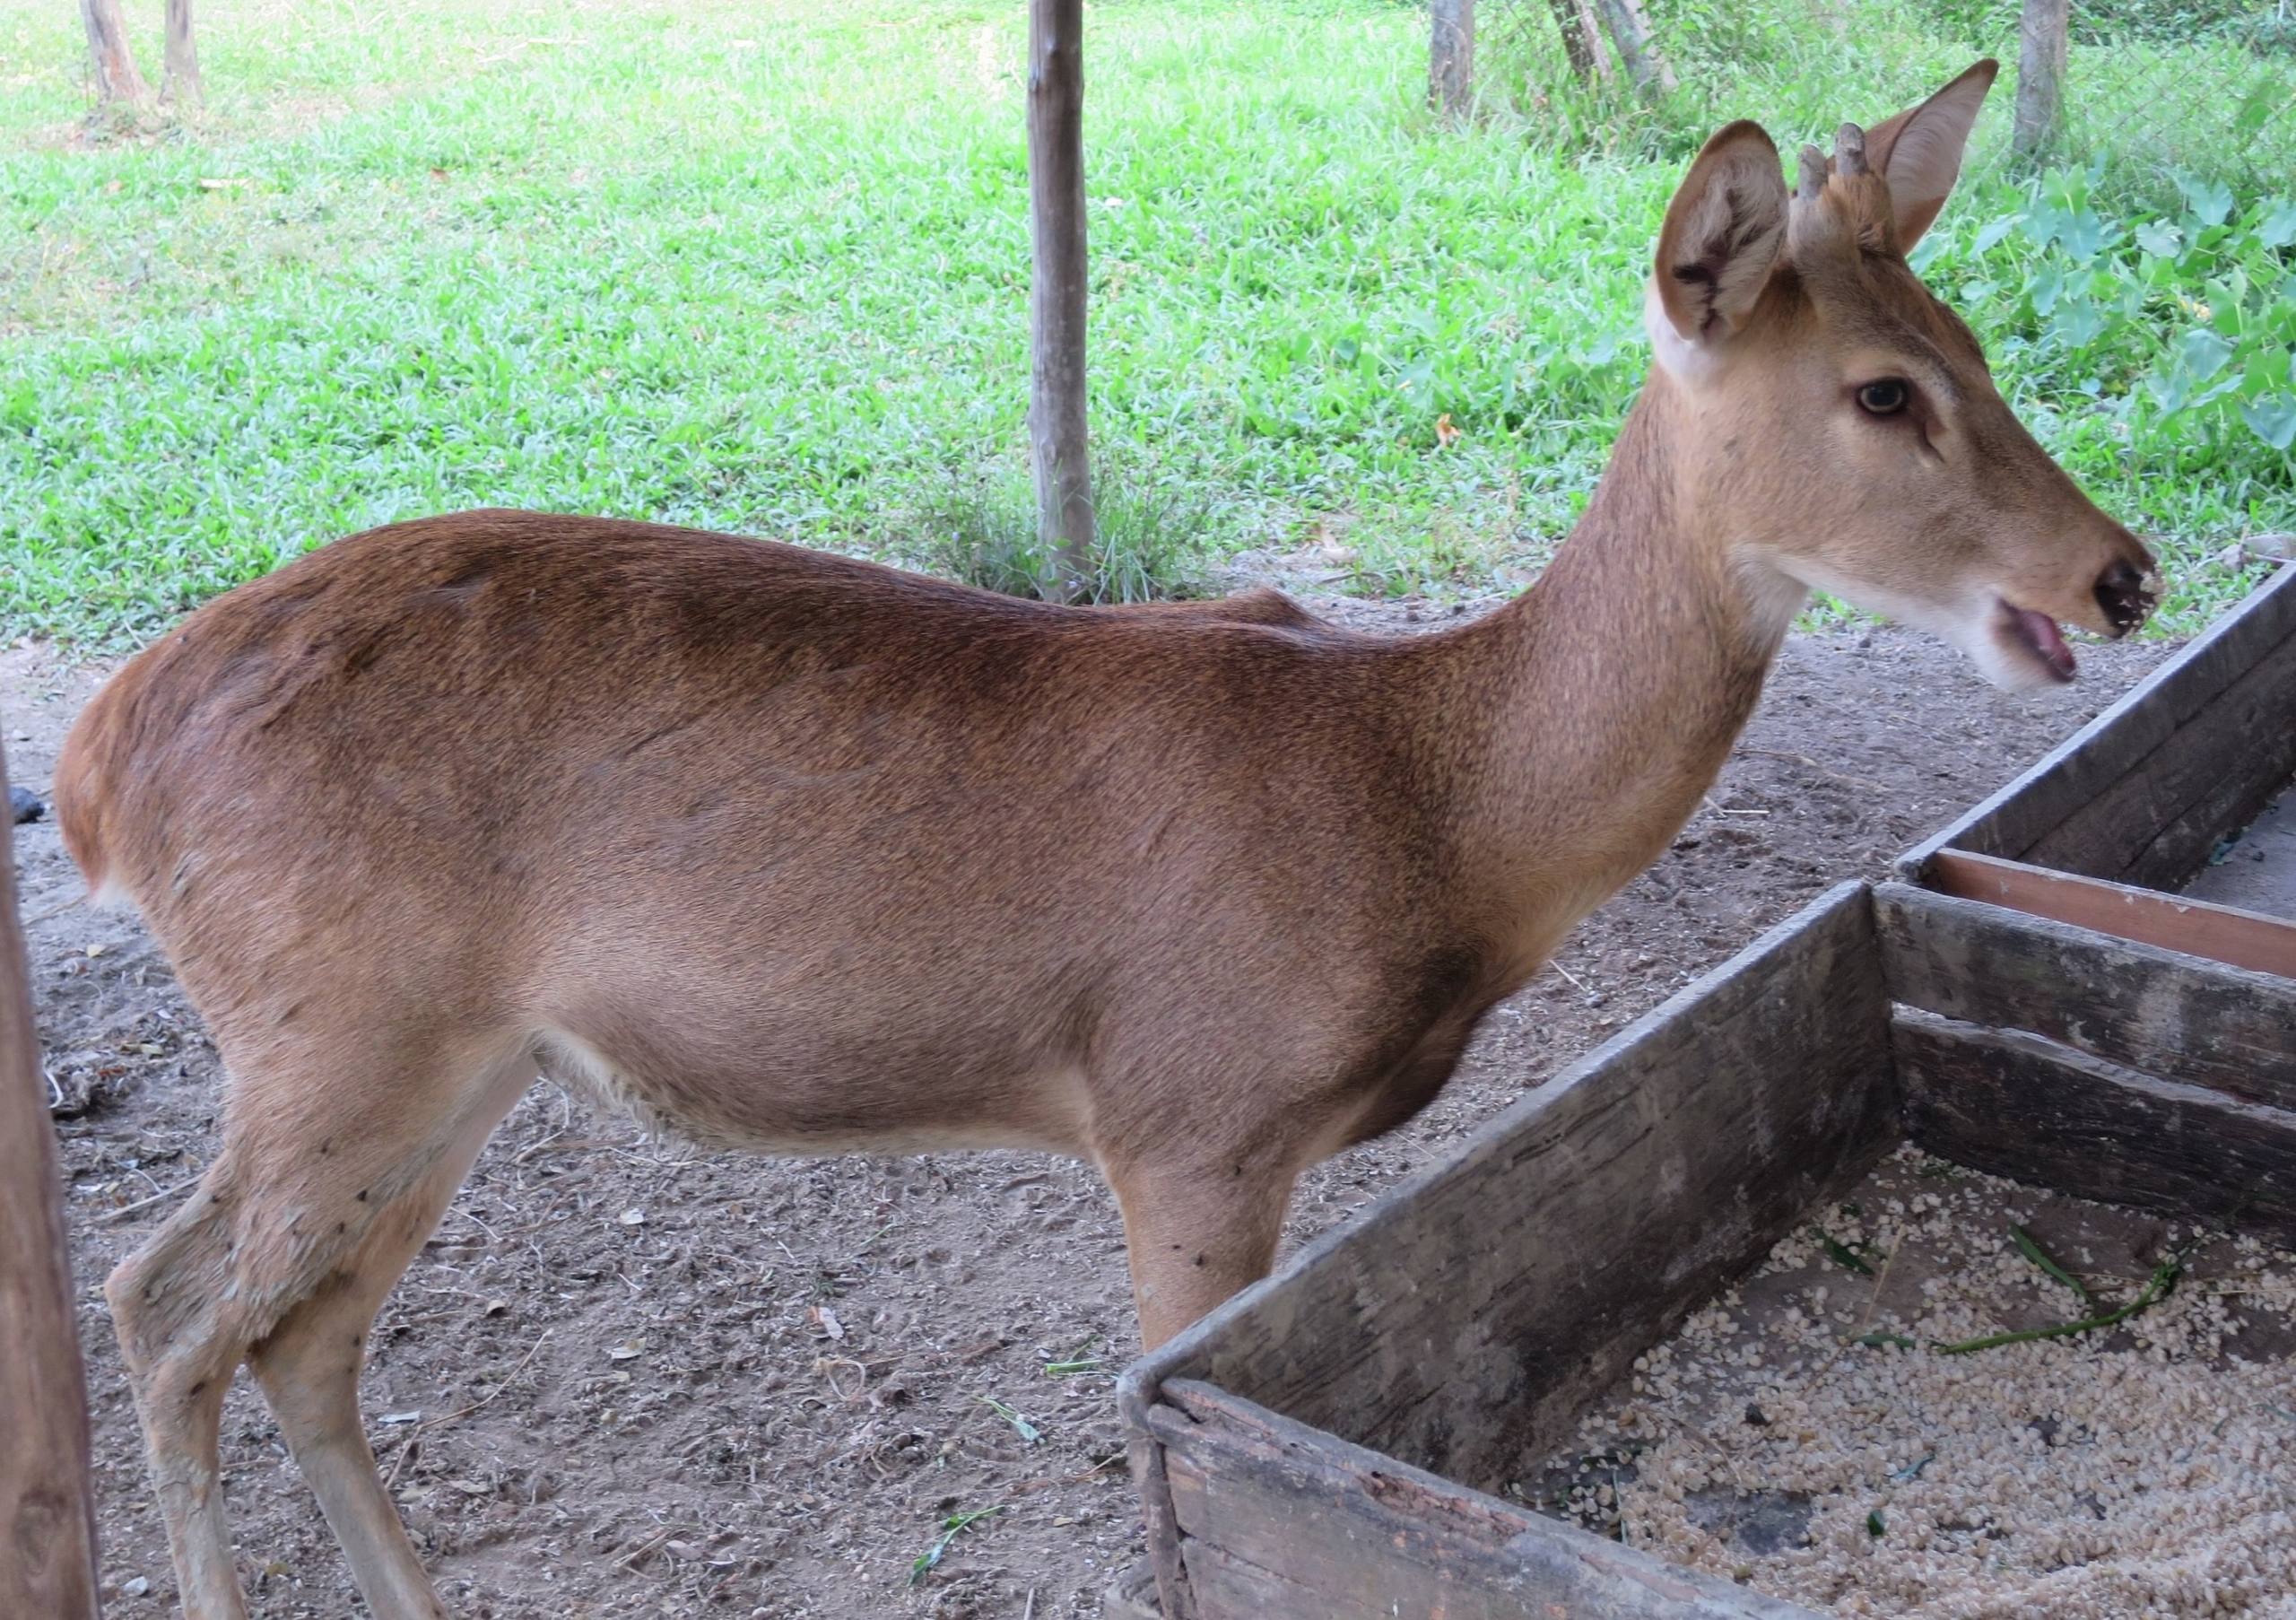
(1836, 424)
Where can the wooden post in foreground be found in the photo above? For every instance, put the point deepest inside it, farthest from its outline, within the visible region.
(179, 84)
(1450, 56)
(1059, 452)
(47, 1521)
(2041, 77)
(114, 65)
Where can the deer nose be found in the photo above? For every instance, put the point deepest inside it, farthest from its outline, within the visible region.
(2121, 594)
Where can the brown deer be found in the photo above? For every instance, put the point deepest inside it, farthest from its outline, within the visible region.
(807, 855)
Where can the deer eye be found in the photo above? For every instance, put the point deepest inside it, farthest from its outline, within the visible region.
(1886, 397)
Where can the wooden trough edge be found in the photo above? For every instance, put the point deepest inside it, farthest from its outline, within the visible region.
(2071, 810)
(2016, 1104)
(1313, 1525)
(1840, 917)
(2137, 1005)
(2230, 934)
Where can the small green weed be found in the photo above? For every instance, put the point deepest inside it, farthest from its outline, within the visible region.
(952, 1527)
(1021, 1426)
(1076, 1361)
(2157, 1287)
(1150, 542)
(1842, 1254)
(2030, 1247)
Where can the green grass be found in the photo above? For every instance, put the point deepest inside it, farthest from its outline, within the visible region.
(1148, 544)
(766, 269)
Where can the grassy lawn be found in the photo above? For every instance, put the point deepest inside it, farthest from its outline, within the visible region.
(764, 267)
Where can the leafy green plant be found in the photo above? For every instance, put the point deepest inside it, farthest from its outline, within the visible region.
(2152, 351)
(951, 1527)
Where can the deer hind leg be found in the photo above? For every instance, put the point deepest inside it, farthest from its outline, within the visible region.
(308, 1366)
(176, 1336)
(320, 1196)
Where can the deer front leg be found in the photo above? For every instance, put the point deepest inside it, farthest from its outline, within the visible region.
(1196, 1235)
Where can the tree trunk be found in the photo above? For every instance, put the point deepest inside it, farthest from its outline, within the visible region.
(1450, 56)
(181, 84)
(1582, 39)
(1060, 452)
(2041, 77)
(49, 1569)
(1630, 30)
(116, 79)
(1591, 26)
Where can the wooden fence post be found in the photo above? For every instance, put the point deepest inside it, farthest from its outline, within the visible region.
(116, 78)
(1060, 460)
(48, 1522)
(180, 82)
(2040, 76)
(1450, 56)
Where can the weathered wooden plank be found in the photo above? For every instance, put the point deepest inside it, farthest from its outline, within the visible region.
(2245, 939)
(1281, 1522)
(47, 1521)
(1136, 1392)
(1132, 1595)
(2259, 872)
(2225, 1028)
(1059, 445)
(1466, 1320)
(2017, 1105)
(2157, 824)
(2196, 774)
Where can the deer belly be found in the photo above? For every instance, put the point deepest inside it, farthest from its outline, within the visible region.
(768, 1086)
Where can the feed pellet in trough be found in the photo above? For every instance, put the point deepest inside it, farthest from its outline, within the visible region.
(1808, 1434)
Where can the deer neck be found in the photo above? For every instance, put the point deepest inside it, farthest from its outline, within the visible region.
(1608, 694)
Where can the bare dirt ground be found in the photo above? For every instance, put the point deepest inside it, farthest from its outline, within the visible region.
(630, 1377)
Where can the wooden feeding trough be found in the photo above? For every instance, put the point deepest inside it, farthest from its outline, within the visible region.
(2033, 1002)
(2161, 796)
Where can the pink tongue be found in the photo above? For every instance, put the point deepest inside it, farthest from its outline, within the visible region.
(2042, 632)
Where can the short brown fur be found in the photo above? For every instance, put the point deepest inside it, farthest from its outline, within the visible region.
(804, 854)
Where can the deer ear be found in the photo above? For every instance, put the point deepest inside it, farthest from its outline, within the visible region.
(1919, 152)
(1722, 235)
